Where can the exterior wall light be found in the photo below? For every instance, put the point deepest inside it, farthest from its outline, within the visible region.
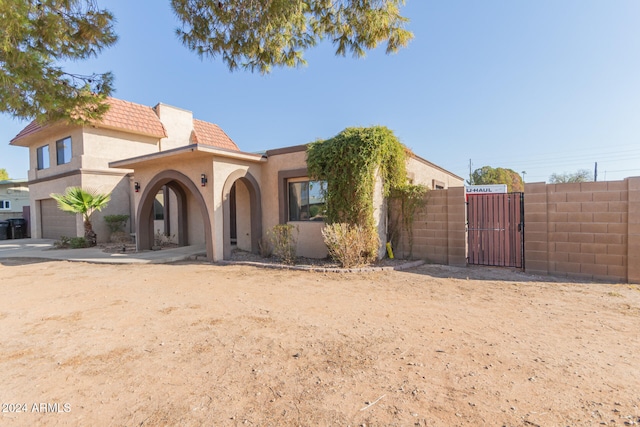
(203, 180)
(136, 186)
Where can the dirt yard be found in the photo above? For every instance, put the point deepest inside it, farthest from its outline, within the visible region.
(199, 344)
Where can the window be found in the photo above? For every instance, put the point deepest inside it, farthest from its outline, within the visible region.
(438, 185)
(158, 206)
(63, 150)
(43, 157)
(5, 205)
(306, 201)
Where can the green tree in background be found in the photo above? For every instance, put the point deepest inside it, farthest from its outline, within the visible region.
(489, 175)
(38, 36)
(260, 34)
(86, 202)
(3, 174)
(582, 175)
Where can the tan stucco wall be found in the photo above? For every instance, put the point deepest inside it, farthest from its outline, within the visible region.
(192, 167)
(223, 168)
(91, 150)
(424, 173)
(101, 146)
(310, 241)
(178, 123)
(41, 191)
(118, 187)
(274, 164)
(50, 138)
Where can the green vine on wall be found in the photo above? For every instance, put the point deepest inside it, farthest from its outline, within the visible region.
(411, 198)
(350, 163)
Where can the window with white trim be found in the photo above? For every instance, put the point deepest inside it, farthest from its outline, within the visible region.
(5, 205)
(306, 200)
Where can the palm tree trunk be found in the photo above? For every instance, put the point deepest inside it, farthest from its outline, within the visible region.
(89, 235)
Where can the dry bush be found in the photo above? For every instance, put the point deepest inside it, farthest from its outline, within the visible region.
(349, 245)
(283, 242)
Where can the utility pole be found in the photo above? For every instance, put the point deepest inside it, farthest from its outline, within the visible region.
(470, 175)
(523, 174)
(595, 173)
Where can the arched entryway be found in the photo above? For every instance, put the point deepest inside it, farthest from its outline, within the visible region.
(241, 200)
(176, 187)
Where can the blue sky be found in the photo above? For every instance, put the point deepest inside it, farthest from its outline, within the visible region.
(539, 86)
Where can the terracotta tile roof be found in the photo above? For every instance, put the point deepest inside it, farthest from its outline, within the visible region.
(209, 134)
(32, 127)
(137, 118)
(122, 115)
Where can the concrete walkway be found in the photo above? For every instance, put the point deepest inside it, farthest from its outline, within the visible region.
(43, 249)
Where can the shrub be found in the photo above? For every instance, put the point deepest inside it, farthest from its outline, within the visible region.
(349, 245)
(265, 248)
(116, 223)
(283, 242)
(78, 242)
(63, 243)
(163, 239)
(120, 237)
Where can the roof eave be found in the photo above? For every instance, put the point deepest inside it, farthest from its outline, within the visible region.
(195, 148)
(130, 131)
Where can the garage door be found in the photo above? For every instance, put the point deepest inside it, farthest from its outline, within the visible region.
(56, 223)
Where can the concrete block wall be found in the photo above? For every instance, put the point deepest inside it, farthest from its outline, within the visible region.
(584, 230)
(439, 229)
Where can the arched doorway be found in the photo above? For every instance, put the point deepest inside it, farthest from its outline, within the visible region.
(178, 189)
(241, 199)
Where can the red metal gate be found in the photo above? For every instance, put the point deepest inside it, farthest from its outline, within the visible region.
(495, 229)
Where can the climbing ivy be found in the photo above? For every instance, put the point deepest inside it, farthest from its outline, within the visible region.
(350, 163)
(410, 198)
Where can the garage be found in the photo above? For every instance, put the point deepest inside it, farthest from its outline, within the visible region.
(56, 223)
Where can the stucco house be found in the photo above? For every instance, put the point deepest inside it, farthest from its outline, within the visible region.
(182, 177)
(14, 197)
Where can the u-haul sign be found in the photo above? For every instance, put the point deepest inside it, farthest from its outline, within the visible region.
(485, 189)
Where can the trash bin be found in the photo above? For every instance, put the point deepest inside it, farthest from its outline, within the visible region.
(17, 228)
(4, 230)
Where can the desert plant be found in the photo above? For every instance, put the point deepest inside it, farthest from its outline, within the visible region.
(265, 248)
(63, 243)
(120, 237)
(348, 244)
(116, 223)
(163, 239)
(78, 242)
(284, 242)
(79, 201)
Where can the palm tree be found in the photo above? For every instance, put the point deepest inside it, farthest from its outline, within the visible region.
(85, 202)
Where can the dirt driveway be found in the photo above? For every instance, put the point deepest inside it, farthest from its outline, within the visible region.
(199, 344)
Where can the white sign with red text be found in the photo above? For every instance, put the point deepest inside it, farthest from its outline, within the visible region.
(485, 189)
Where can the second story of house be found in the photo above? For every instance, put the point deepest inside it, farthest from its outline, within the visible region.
(127, 130)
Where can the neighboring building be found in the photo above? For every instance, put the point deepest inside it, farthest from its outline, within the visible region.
(14, 196)
(182, 177)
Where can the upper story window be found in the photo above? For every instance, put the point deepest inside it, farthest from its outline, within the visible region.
(306, 200)
(5, 205)
(63, 150)
(43, 157)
